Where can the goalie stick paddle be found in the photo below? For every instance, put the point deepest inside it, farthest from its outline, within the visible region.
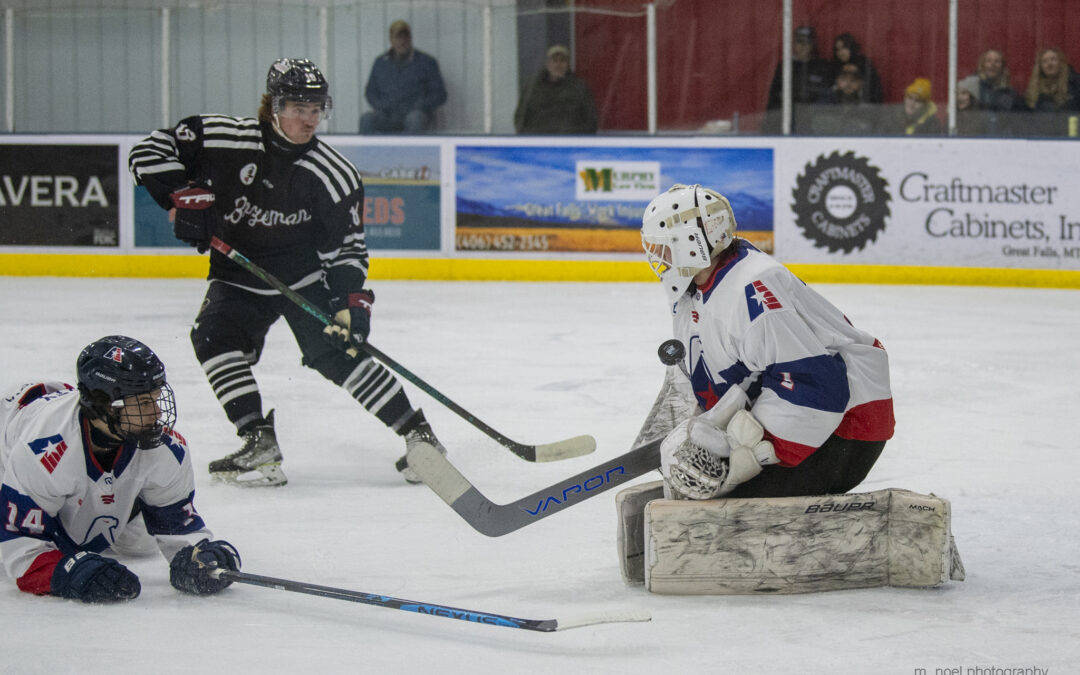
(542, 625)
(545, 452)
(495, 520)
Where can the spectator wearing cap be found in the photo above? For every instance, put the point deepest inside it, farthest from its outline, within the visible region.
(850, 114)
(556, 101)
(811, 79)
(404, 89)
(917, 116)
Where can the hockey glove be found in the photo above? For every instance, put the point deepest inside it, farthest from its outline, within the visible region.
(193, 217)
(190, 568)
(89, 577)
(702, 461)
(352, 323)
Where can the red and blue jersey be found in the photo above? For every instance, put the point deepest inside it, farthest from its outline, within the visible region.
(808, 372)
(57, 499)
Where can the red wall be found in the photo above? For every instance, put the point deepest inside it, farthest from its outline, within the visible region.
(717, 57)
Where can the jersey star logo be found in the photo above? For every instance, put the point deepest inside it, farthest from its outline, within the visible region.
(759, 298)
(707, 397)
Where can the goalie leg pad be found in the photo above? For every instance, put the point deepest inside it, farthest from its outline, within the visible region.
(630, 537)
(799, 544)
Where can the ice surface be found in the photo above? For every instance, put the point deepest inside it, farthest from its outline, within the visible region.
(985, 382)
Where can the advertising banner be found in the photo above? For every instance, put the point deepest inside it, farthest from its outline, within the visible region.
(59, 195)
(401, 195)
(951, 203)
(591, 199)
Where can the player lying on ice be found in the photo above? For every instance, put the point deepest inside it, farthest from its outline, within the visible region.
(788, 397)
(80, 466)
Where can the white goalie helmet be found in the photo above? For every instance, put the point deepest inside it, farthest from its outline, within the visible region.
(682, 231)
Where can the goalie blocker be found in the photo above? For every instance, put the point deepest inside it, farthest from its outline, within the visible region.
(889, 537)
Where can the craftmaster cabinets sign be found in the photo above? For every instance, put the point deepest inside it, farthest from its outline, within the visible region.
(939, 203)
(59, 195)
(591, 199)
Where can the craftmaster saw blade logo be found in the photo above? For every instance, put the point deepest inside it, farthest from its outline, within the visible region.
(841, 202)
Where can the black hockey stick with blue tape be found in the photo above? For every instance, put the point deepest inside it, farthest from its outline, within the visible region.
(447, 612)
(546, 452)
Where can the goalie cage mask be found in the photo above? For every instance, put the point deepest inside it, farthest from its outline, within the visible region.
(682, 230)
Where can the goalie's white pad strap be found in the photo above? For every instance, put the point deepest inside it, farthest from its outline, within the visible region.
(798, 544)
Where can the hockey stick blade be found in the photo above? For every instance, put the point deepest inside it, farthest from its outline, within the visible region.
(547, 452)
(495, 520)
(447, 612)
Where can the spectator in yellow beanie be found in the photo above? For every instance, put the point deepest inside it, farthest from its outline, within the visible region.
(918, 114)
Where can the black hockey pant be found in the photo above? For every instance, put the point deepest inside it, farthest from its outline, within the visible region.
(834, 468)
(229, 334)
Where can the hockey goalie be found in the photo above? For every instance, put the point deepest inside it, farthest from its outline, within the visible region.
(773, 401)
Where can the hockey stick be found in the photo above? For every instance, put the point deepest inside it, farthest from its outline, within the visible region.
(495, 520)
(546, 452)
(542, 625)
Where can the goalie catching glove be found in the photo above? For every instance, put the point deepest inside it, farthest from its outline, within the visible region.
(194, 217)
(191, 568)
(708, 456)
(352, 321)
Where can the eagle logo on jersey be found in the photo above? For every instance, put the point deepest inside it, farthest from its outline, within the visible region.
(759, 299)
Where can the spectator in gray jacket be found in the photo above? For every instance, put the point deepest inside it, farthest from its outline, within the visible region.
(556, 101)
(404, 88)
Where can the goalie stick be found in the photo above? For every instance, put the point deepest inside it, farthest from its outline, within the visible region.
(542, 625)
(495, 520)
(545, 452)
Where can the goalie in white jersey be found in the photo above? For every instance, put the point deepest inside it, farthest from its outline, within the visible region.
(789, 398)
(78, 464)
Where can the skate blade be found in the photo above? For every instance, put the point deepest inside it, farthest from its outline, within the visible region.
(266, 475)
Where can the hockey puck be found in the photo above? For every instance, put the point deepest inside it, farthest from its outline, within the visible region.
(671, 352)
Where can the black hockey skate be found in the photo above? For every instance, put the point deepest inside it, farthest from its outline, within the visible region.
(416, 430)
(257, 463)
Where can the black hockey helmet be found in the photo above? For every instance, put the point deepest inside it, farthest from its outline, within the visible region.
(298, 80)
(116, 367)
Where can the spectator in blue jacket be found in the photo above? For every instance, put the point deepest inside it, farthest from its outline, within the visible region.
(404, 88)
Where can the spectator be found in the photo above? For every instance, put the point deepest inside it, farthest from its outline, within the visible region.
(917, 116)
(996, 95)
(846, 49)
(970, 119)
(404, 88)
(810, 81)
(1052, 90)
(995, 91)
(556, 101)
(850, 114)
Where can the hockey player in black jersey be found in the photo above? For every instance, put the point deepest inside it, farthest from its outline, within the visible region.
(292, 204)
